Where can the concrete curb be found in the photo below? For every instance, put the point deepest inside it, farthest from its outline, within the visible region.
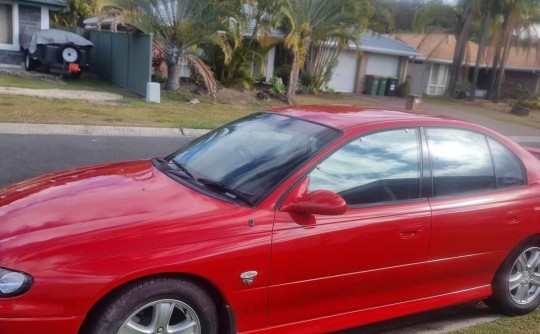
(121, 131)
(87, 130)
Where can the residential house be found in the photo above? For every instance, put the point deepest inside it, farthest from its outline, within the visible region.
(522, 69)
(20, 17)
(376, 54)
(429, 72)
(265, 66)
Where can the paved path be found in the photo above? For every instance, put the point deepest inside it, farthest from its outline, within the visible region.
(86, 95)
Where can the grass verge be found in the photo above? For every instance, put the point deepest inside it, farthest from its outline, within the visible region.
(527, 324)
(176, 112)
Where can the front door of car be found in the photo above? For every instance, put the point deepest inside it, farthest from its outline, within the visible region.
(372, 255)
(480, 209)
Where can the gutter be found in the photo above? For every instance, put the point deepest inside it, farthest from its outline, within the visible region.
(54, 6)
(388, 51)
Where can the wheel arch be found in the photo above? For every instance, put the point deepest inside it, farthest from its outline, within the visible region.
(520, 244)
(226, 317)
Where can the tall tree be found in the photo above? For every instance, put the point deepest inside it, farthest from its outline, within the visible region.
(516, 17)
(487, 8)
(182, 26)
(463, 34)
(258, 40)
(458, 20)
(309, 22)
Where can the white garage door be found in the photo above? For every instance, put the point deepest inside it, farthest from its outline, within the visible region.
(344, 76)
(383, 65)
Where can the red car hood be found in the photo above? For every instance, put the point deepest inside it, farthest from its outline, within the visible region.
(122, 204)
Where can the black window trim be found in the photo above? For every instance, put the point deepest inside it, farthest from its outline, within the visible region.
(486, 137)
(427, 171)
(367, 205)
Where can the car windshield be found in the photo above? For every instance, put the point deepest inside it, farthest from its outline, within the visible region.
(254, 154)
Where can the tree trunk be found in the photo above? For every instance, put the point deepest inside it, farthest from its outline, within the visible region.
(293, 79)
(172, 59)
(485, 22)
(461, 46)
(498, 58)
(508, 32)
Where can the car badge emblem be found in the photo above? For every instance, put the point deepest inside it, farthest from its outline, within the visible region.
(248, 277)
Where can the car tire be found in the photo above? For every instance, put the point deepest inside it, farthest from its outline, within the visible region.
(69, 46)
(138, 305)
(516, 285)
(29, 62)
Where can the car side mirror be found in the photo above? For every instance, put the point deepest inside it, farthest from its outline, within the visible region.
(320, 202)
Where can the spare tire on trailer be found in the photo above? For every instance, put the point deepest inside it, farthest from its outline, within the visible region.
(69, 53)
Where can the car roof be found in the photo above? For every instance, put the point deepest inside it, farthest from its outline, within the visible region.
(343, 117)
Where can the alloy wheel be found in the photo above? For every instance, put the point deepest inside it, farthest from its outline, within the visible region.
(524, 280)
(165, 316)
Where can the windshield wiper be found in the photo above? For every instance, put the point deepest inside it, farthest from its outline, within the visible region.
(174, 171)
(227, 189)
(183, 169)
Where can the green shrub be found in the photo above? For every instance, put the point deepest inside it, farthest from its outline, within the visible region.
(330, 90)
(277, 86)
(531, 104)
(404, 89)
(283, 72)
(305, 79)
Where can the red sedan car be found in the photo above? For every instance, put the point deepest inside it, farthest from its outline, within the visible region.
(300, 220)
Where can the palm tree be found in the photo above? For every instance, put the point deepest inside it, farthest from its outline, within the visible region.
(486, 10)
(316, 22)
(254, 48)
(182, 26)
(453, 19)
(516, 16)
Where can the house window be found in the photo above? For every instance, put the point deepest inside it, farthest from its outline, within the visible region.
(6, 24)
(438, 76)
(9, 26)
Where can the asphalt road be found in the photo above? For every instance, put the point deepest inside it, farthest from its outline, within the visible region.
(25, 156)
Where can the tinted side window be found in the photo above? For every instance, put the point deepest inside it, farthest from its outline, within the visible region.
(377, 168)
(508, 168)
(461, 162)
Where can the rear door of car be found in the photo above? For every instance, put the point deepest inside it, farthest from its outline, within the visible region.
(372, 255)
(480, 206)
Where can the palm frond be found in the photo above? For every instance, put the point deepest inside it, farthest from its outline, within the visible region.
(199, 67)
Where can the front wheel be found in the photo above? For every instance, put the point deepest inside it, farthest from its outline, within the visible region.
(516, 286)
(161, 305)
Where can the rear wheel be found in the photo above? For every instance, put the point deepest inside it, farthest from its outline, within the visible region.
(29, 62)
(516, 286)
(161, 305)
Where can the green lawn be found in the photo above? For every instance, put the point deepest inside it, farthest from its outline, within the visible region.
(527, 324)
(175, 112)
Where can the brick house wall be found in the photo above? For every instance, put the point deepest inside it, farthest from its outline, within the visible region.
(361, 76)
(513, 79)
